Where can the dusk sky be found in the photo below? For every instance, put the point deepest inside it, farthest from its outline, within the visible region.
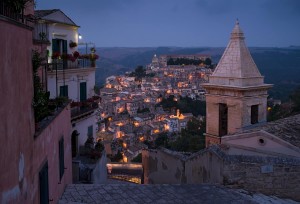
(183, 23)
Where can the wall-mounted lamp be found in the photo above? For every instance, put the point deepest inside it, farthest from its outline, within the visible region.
(79, 36)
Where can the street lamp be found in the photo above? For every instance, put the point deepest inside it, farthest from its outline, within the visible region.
(84, 43)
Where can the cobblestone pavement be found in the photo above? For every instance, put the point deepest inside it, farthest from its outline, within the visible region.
(132, 193)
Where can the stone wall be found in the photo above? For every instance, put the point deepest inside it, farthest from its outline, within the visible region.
(163, 167)
(267, 175)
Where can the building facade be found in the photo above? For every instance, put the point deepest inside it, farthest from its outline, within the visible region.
(36, 162)
(69, 73)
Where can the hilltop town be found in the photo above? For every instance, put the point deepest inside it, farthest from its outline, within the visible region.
(182, 119)
(134, 107)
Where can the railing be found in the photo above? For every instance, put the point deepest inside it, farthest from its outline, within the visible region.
(61, 64)
(8, 10)
(81, 111)
(43, 124)
(40, 32)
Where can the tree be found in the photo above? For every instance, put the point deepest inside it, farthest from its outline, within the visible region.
(118, 157)
(162, 140)
(295, 98)
(138, 158)
(191, 138)
(207, 61)
(144, 110)
(185, 105)
(99, 146)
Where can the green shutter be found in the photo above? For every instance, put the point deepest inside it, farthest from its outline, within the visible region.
(55, 45)
(90, 131)
(65, 51)
(65, 46)
(63, 91)
(83, 91)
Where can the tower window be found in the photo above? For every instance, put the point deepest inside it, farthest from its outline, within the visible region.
(223, 119)
(254, 114)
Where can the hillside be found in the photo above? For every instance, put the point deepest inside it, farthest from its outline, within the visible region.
(280, 66)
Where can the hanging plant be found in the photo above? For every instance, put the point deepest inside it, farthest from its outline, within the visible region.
(41, 97)
(72, 44)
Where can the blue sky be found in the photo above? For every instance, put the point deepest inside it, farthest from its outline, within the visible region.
(183, 23)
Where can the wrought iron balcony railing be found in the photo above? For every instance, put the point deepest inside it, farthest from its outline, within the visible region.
(13, 12)
(61, 64)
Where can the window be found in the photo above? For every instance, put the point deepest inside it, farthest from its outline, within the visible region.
(61, 151)
(223, 119)
(63, 91)
(261, 141)
(90, 131)
(254, 114)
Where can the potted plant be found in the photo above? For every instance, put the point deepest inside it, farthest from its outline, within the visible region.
(93, 57)
(56, 55)
(76, 54)
(93, 50)
(42, 36)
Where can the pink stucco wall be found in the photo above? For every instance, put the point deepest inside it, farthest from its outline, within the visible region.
(46, 148)
(22, 155)
(16, 113)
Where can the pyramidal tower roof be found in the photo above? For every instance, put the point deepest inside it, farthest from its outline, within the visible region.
(236, 63)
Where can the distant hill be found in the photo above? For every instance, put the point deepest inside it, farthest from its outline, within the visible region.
(280, 66)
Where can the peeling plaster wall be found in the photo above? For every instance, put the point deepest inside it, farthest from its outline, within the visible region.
(161, 168)
(164, 168)
(204, 168)
(268, 175)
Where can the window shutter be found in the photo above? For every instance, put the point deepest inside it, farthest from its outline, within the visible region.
(90, 131)
(55, 45)
(83, 91)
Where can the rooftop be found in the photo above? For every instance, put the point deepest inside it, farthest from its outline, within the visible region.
(287, 129)
(236, 60)
(54, 15)
(132, 193)
(236, 68)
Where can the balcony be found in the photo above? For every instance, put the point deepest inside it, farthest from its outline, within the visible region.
(40, 33)
(62, 64)
(83, 109)
(14, 11)
(52, 111)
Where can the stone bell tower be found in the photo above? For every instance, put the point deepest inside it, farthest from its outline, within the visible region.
(236, 93)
